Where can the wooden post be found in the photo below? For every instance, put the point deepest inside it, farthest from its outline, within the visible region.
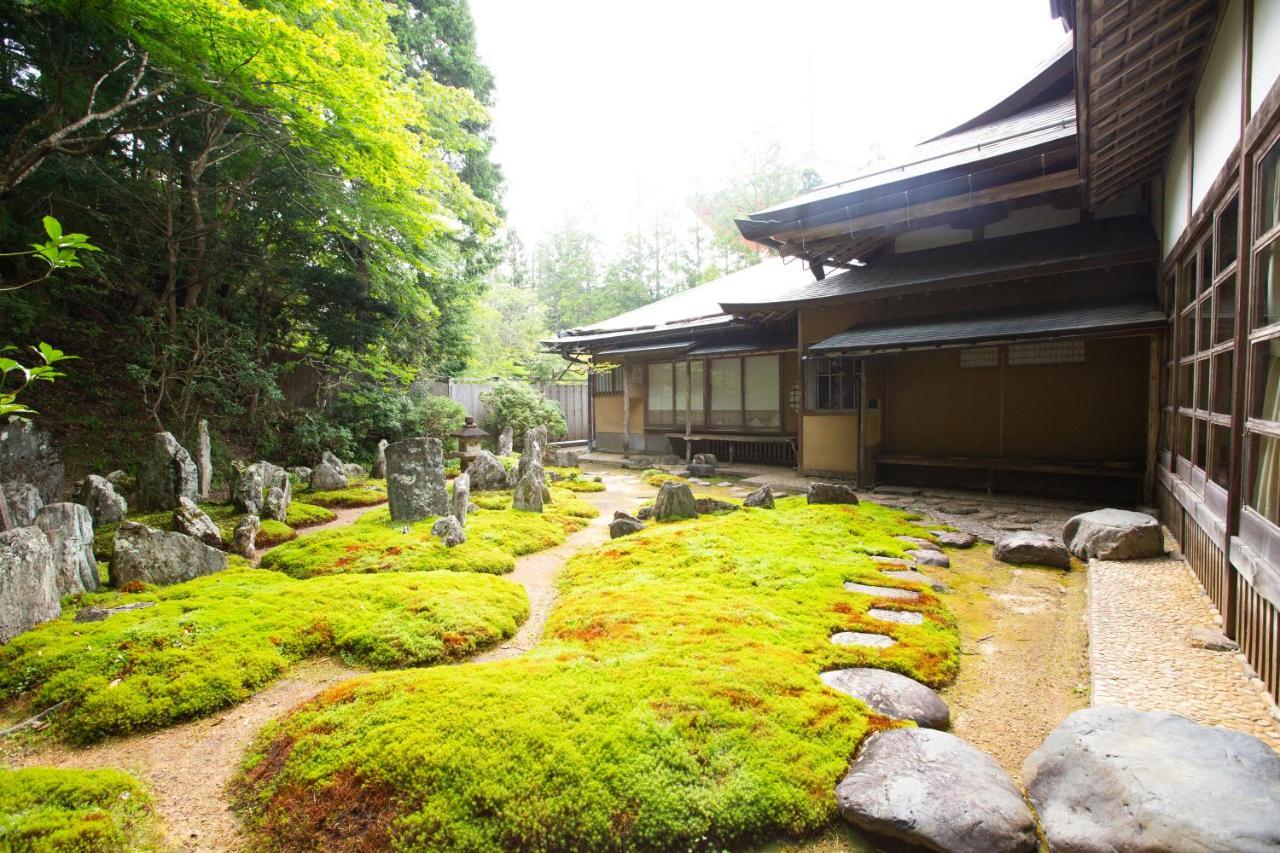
(626, 411)
(1154, 413)
(862, 424)
(688, 410)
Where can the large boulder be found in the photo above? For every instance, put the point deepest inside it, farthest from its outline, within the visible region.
(99, 496)
(415, 479)
(487, 473)
(761, 498)
(331, 459)
(1023, 547)
(147, 555)
(624, 525)
(69, 529)
(891, 694)
(675, 500)
(326, 478)
(449, 531)
(461, 498)
(506, 441)
(535, 448)
(167, 473)
(531, 491)
(23, 501)
(380, 461)
(831, 493)
(248, 487)
(28, 582)
(561, 458)
(27, 454)
(191, 520)
(1114, 534)
(244, 541)
(204, 460)
(934, 790)
(1119, 779)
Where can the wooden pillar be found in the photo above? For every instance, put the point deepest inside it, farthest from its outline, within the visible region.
(862, 424)
(688, 410)
(1154, 413)
(800, 383)
(626, 411)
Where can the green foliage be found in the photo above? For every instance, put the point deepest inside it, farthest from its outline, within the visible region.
(215, 641)
(42, 372)
(673, 703)
(75, 811)
(515, 404)
(359, 493)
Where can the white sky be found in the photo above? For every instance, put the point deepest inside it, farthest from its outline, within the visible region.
(607, 110)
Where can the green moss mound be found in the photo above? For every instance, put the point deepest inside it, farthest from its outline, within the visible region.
(225, 516)
(214, 641)
(368, 492)
(43, 808)
(496, 535)
(302, 514)
(673, 703)
(656, 477)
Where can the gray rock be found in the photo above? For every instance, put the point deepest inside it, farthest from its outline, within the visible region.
(1118, 779)
(901, 491)
(1114, 534)
(99, 496)
(930, 557)
(331, 459)
(244, 541)
(324, 478)
(461, 498)
(761, 498)
(637, 463)
(893, 592)
(645, 513)
(204, 460)
(561, 458)
(902, 617)
(27, 454)
(302, 472)
(99, 614)
(248, 486)
(355, 471)
(160, 557)
(712, 506)
(917, 542)
(279, 492)
(891, 694)
(861, 638)
(705, 459)
(28, 582)
(675, 500)
(959, 509)
(535, 449)
(695, 469)
(472, 508)
(916, 577)
(531, 489)
(934, 790)
(953, 539)
(487, 473)
(380, 461)
(167, 473)
(553, 476)
(23, 501)
(624, 525)
(1026, 548)
(415, 479)
(670, 459)
(897, 562)
(448, 531)
(190, 520)
(506, 441)
(276, 506)
(69, 529)
(1211, 640)
(831, 493)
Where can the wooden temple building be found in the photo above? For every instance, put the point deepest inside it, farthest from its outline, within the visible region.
(1076, 291)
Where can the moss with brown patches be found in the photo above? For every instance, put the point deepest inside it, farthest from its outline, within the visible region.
(46, 808)
(673, 702)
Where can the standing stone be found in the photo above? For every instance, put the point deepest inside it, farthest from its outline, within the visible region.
(415, 479)
(23, 501)
(279, 491)
(505, 441)
(69, 529)
(325, 478)
(675, 500)
(276, 507)
(27, 454)
(204, 459)
(147, 555)
(168, 472)
(248, 487)
(831, 493)
(531, 489)
(761, 498)
(191, 520)
(1027, 548)
(487, 473)
(380, 461)
(449, 531)
(28, 583)
(461, 498)
(933, 790)
(1114, 534)
(1118, 779)
(245, 539)
(535, 448)
(105, 504)
(331, 459)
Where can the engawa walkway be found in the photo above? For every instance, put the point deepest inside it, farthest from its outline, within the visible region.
(1141, 615)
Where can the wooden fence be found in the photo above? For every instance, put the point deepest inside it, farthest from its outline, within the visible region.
(572, 398)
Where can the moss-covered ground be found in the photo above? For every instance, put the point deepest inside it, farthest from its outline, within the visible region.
(364, 492)
(496, 535)
(674, 702)
(214, 641)
(656, 477)
(225, 516)
(47, 809)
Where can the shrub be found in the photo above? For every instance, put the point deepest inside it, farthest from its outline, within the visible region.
(46, 808)
(519, 405)
(438, 417)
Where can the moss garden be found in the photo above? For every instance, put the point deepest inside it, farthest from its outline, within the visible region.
(74, 810)
(673, 702)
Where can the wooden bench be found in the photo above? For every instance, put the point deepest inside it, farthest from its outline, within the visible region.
(785, 443)
(992, 466)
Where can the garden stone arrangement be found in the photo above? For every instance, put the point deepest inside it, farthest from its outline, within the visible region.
(168, 472)
(415, 479)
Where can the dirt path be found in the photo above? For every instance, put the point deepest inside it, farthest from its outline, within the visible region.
(342, 516)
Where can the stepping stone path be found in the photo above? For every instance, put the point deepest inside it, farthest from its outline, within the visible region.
(913, 576)
(953, 539)
(902, 617)
(892, 561)
(930, 557)
(891, 694)
(882, 591)
(861, 638)
(917, 542)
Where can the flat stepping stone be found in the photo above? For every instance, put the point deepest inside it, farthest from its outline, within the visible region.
(936, 792)
(904, 491)
(902, 617)
(891, 694)
(930, 557)
(959, 509)
(916, 541)
(1032, 549)
(891, 561)
(882, 591)
(860, 638)
(912, 576)
(954, 539)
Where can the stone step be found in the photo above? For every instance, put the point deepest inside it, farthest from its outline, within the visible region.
(916, 577)
(891, 694)
(860, 638)
(902, 617)
(899, 562)
(882, 591)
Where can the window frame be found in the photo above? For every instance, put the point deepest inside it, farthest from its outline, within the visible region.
(811, 362)
(702, 418)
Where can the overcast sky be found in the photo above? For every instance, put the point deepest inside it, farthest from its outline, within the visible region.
(607, 111)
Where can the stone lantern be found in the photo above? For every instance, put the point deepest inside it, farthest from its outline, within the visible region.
(469, 441)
